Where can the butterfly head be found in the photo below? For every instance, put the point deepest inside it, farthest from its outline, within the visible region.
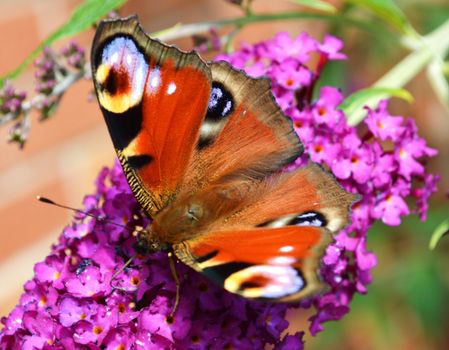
(149, 242)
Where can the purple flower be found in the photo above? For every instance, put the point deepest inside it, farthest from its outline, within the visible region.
(72, 300)
(422, 194)
(390, 208)
(384, 174)
(41, 328)
(331, 47)
(382, 125)
(291, 75)
(70, 303)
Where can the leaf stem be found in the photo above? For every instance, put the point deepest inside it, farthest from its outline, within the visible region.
(433, 46)
(184, 30)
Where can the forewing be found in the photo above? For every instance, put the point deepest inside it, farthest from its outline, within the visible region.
(154, 98)
(243, 128)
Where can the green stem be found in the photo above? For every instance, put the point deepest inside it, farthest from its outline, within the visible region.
(184, 30)
(433, 46)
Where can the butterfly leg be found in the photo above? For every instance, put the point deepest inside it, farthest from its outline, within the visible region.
(175, 275)
(120, 270)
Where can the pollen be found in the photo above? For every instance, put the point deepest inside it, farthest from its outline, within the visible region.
(42, 300)
(322, 111)
(135, 280)
(121, 308)
(170, 319)
(97, 330)
(289, 82)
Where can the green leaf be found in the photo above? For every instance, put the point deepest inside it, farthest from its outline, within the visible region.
(439, 232)
(354, 104)
(388, 11)
(316, 5)
(83, 17)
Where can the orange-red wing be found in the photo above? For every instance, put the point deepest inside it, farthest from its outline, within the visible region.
(278, 264)
(267, 239)
(304, 190)
(244, 130)
(154, 99)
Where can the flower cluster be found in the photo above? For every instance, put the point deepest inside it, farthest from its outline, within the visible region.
(53, 69)
(75, 55)
(55, 73)
(47, 72)
(70, 304)
(382, 159)
(11, 108)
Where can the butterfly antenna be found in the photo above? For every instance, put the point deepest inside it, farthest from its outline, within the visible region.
(99, 218)
(125, 265)
(175, 275)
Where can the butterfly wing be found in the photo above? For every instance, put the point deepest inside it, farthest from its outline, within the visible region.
(177, 123)
(243, 128)
(270, 247)
(202, 147)
(153, 98)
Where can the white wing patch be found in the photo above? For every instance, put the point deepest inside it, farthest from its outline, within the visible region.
(265, 281)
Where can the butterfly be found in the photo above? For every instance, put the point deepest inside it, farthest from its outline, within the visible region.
(204, 148)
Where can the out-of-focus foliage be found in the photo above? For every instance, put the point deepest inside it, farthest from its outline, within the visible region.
(406, 306)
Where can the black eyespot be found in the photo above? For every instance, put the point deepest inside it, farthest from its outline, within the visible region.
(221, 103)
(311, 218)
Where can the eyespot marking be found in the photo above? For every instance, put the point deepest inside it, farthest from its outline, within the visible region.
(265, 281)
(120, 75)
(221, 102)
(311, 218)
(221, 105)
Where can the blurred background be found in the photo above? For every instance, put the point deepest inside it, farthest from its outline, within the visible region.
(406, 306)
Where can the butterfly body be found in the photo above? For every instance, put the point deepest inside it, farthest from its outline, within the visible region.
(204, 149)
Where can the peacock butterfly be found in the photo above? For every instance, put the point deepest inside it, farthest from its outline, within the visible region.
(204, 149)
